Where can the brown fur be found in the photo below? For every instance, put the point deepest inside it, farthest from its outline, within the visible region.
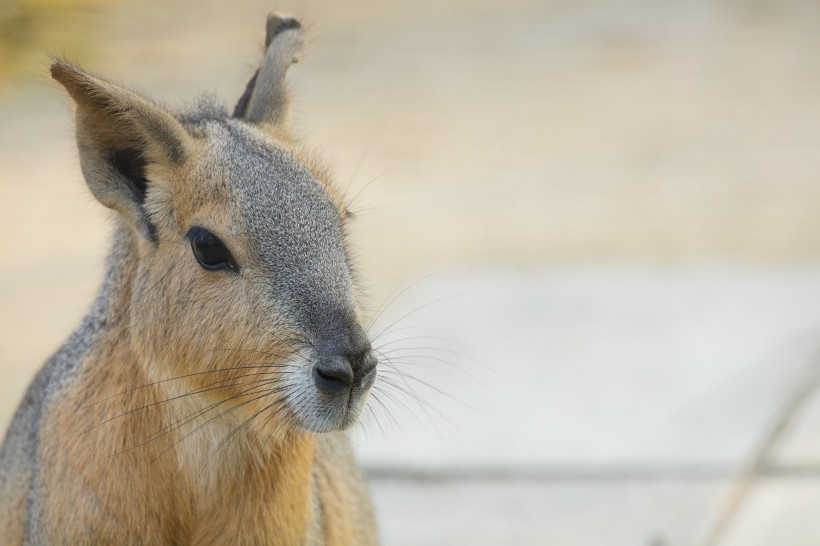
(168, 418)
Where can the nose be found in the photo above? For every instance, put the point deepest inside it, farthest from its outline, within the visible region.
(333, 373)
(338, 373)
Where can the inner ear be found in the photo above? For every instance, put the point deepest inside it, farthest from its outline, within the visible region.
(131, 165)
(121, 137)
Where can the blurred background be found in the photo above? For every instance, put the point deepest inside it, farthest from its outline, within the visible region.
(595, 223)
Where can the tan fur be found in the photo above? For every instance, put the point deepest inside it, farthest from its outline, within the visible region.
(175, 425)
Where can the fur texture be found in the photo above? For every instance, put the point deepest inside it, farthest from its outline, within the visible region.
(187, 409)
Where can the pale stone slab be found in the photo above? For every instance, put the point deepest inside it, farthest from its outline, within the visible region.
(530, 514)
(585, 368)
(800, 446)
(779, 511)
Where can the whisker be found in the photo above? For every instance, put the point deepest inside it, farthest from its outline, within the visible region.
(211, 420)
(393, 296)
(416, 310)
(352, 201)
(190, 418)
(422, 404)
(359, 166)
(409, 360)
(231, 435)
(171, 399)
(392, 368)
(414, 338)
(220, 370)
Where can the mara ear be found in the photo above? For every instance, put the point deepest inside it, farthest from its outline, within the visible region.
(119, 134)
(265, 100)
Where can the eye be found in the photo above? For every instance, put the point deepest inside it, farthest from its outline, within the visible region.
(209, 251)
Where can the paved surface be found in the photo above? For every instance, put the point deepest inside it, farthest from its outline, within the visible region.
(626, 404)
(585, 367)
(624, 197)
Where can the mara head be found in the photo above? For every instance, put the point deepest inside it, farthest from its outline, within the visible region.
(240, 283)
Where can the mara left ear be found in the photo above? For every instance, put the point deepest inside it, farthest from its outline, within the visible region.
(119, 134)
(265, 100)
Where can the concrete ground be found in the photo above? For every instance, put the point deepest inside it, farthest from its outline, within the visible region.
(618, 205)
(629, 406)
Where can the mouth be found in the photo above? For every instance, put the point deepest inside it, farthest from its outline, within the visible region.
(356, 399)
(323, 399)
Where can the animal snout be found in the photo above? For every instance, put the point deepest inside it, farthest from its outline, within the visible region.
(338, 373)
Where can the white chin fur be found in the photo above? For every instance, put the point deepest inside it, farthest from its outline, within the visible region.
(316, 411)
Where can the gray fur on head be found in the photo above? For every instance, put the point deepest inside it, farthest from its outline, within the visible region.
(202, 399)
(243, 179)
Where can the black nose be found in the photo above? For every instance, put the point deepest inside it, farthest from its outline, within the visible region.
(333, 373)
(336, 373)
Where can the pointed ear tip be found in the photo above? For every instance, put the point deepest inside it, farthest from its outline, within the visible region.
(61, 70)
(58, 68)
(279, 23)
(278, 18)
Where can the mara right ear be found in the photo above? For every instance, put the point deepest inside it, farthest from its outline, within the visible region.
(118, 135)
(265, 100)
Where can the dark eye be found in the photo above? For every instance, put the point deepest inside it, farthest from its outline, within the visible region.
(209, 251)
